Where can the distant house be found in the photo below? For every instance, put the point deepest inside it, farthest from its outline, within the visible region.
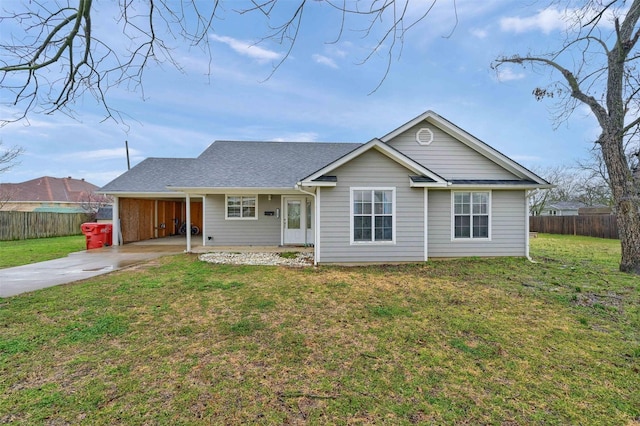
(562, 208)
(427, 189)
(598, 210)
(50, 194)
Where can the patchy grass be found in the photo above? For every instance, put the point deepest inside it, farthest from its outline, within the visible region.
(473, 341)
(288, 254)
(23, 252)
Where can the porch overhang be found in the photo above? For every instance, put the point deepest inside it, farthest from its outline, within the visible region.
(236, 190)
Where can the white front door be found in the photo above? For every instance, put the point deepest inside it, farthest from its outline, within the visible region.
(294, 219)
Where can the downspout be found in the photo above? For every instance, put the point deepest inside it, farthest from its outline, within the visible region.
(527, 196)
(315, 228)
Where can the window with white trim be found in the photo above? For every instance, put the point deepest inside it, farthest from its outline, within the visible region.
(471, 214)
(373, 215)
(241, 207)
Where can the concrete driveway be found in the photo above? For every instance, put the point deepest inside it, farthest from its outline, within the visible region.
(79, 266)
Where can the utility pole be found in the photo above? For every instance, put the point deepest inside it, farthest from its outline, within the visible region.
(126, 146)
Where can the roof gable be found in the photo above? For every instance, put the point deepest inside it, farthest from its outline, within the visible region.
(430, 178)
(510, 168)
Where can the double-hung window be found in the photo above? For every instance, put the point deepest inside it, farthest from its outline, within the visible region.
(471, 215)
(372, 215)
(241, 207)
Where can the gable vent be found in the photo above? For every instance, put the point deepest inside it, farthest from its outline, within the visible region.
(424, 136)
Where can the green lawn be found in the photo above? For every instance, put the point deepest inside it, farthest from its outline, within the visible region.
(23, 252)
(471, 341)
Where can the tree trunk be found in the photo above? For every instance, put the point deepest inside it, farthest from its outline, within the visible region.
(628, 218)
(627, 202)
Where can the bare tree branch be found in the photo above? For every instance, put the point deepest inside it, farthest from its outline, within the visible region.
(8, 157)
(60, 58)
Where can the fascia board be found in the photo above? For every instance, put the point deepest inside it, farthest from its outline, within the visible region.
(236, 190)
(130, 194)
(316, 183)
(500, 186)
(413, 184)
(386, 138)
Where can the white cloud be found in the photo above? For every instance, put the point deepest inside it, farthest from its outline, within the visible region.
(324, 60)
(507, 74)
(546, 20)
(248, 48)
(479, 33)
(558, 19)
(298, 137)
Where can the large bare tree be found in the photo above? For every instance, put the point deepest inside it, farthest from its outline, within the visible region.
(598, 68)
(58, 57)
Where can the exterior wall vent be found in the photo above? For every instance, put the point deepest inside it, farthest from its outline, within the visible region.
(424, 136)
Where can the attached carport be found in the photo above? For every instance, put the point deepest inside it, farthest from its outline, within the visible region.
(141, 217)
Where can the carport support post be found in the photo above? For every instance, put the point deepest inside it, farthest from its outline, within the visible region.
(188, 208)
(115, 221)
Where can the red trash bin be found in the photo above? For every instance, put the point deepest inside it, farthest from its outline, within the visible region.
(98, 235)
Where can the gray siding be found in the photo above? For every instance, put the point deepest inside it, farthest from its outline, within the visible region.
(448, 157)
(371, 169)
(263, 231)
(508, 223)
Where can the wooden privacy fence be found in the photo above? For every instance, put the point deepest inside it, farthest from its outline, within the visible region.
(601, 226)
(26, 225)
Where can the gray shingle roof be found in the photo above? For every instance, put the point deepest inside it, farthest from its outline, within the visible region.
(151, 175)
(565, 205)
(233, 164)
(228, 164)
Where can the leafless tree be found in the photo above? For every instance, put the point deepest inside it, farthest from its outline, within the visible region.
(8, 159)
(598, 68)
(6, 195)
(59, 58)
(9, 156)
(91, 202)
(572, 183)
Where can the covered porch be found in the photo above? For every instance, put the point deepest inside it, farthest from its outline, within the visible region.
(179, 242)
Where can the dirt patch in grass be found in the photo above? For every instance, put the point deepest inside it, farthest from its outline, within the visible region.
(602, 301)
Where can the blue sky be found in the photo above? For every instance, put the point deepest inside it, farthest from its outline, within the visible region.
(321, 92)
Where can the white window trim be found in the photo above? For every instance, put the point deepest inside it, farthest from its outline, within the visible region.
(226, 207)
(453, 218)
(393, 215)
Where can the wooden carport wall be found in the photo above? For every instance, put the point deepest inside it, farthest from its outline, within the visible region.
(146, 218)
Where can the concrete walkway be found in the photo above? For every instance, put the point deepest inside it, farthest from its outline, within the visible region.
(78, 266)
(90, 263)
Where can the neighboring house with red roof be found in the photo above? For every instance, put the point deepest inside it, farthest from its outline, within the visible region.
(51, 194)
